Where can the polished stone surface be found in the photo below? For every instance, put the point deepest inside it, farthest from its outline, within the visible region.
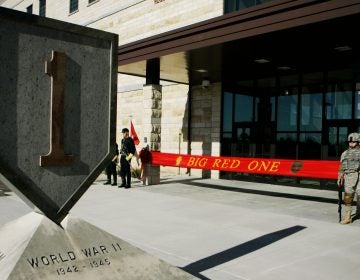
(33, 247)
(28, 124)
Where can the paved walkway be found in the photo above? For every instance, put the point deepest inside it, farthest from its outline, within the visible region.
(224, 230)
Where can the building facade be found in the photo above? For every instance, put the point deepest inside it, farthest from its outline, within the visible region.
(245, 78)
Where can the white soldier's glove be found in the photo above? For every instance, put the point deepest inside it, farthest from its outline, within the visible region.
(115, 159)
(129, 157)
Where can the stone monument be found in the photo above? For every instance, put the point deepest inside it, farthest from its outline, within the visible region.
(57, 122)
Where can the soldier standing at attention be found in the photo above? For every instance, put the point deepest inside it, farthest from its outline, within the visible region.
(127, 151)
(111, 168)
(349, 175)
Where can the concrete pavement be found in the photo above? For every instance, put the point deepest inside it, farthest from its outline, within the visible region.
(219, 229)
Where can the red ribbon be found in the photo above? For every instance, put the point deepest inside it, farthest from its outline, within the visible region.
(322, 169)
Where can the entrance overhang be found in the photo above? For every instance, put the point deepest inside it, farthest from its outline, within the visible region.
(187, 52)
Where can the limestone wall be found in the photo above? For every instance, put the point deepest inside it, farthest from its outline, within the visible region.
(145, 18)
(131, 19)
(21, 5)
(205, 125)
(173, 121)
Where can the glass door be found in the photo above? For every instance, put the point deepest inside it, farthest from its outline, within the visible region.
(243, 147)
(337, 140)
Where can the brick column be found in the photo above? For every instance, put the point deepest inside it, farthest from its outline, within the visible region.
(152, 128)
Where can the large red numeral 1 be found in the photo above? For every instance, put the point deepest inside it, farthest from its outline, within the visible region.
(55, 68)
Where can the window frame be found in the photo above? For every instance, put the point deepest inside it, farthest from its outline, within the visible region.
(42, 8)
(73, 6)
(30, 9)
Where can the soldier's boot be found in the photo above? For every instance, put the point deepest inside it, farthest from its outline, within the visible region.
(347, 201)
(347, 219)
(123, 182)
(128, 185)
(114, 180)
(108, 181)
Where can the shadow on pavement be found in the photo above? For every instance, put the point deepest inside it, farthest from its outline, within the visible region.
(262, 192)
(240, 250)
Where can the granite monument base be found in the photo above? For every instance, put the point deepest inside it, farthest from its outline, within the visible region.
(34, 247)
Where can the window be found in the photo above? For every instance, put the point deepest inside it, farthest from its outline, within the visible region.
(29, 9)
(338, 102)
(243, 108)
(230, 6)
(265, 109)
(235, 5)
(286, 145)
(357, 101)
(310, 146)
(42, 8)
(337, 141)
(74, 6)
(227, 114)
(287, 111)
(311, 100)
(265, 102)
(311, 112)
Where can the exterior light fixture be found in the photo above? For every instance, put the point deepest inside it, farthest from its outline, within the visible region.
(201, 70)
(261, 60)
(343, 48)
(283, 68)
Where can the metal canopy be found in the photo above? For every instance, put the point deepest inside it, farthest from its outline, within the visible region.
(284, 31)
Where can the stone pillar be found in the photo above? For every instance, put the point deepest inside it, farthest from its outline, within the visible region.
(152, 129)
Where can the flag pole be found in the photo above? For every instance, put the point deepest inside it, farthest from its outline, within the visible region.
(130, 117)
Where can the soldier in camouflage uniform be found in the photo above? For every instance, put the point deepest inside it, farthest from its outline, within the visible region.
(349, 175)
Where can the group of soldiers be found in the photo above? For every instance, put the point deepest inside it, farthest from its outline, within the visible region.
(348, 177)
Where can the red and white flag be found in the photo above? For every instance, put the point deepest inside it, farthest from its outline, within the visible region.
(133, 134)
